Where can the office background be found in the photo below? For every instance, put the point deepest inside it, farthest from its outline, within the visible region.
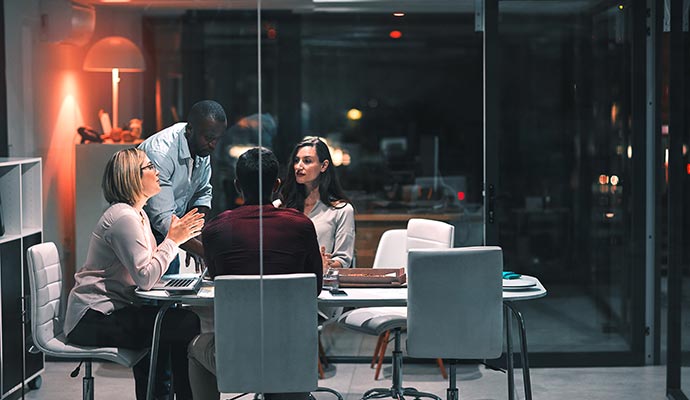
(545, 129)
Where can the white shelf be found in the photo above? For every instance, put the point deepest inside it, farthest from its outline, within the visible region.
(10, 198)
(22, 216)
(8, 238)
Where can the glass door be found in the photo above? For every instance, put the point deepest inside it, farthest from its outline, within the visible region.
(565, 198)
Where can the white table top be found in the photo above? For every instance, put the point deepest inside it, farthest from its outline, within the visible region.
(355, 297)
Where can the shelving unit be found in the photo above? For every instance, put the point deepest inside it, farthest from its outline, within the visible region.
(22, 215)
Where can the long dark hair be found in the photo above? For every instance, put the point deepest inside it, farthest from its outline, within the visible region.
(330, 191)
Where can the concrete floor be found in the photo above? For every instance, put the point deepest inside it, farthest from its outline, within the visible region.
(475, 382)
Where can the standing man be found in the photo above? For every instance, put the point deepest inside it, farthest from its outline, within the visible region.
(232, 243)
(181, 156)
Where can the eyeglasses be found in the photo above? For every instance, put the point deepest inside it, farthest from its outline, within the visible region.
(149, 167)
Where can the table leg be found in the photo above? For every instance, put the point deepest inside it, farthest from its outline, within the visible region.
(523, 352)
(154, 349)
(509, 353)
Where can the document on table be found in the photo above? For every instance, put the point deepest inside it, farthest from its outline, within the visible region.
(206, 292)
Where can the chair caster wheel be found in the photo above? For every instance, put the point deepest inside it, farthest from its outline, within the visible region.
(35, 383)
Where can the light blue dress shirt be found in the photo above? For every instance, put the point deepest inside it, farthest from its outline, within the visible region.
(185, 181)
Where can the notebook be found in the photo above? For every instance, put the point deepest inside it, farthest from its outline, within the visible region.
(180, 282)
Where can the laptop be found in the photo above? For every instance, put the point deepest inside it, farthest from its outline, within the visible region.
(180, 282)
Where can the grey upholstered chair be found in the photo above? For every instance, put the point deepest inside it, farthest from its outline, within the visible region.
(45, 280)
(381, 321)
(266, 334)
(467, 282)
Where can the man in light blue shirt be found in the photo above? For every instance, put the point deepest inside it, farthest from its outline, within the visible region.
(180, 153)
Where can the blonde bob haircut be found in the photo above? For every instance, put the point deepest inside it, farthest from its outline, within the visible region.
(122, 177)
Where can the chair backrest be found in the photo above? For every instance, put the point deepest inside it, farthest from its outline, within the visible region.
(454, 303)
(429, 234)
(391, 252)
(269, 350)
(45, 282)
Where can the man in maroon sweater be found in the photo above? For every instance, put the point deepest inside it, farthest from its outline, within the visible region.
(232, 247)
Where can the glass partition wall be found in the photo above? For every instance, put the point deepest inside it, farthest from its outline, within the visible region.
(400, 101)
(569, 192)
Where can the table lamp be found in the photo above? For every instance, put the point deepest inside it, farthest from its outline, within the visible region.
(114, 54)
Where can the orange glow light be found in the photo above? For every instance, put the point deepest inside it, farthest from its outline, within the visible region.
(603, 179)
(687, 168)
(395, 34)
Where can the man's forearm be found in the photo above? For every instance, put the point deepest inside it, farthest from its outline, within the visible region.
(193, 246)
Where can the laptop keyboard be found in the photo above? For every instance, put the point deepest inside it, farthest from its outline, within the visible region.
(180, 282)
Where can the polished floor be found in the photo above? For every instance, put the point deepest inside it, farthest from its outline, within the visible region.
(475, 382)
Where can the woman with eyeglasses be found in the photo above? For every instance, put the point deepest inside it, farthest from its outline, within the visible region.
(102, 309)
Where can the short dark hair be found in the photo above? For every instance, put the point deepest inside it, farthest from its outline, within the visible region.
(247, 171)
(206, 110)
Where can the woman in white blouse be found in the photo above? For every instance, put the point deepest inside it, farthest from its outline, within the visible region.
(102, 309)
(312, 186)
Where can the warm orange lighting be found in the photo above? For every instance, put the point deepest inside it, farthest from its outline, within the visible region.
(398, 14)
(603, 179)
(115, 1)
(58, 172)
(687, 169)
(461, 196)
(337, 157)
(609, 215)
(395, 34)
(354, 114)
(614, 113)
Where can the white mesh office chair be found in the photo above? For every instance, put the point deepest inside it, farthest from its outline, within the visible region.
(266, 334)
(45, 280)
(467, 282)
(380, 321)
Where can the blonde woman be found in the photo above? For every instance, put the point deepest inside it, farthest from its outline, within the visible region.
(102, 309)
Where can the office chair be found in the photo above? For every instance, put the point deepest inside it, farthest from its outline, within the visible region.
(467, 282)
(45, 280)
(266, 344)
(380, 321)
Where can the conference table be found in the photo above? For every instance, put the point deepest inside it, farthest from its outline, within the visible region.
(360, 297)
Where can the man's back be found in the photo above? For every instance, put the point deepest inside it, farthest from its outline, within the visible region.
(232, 242)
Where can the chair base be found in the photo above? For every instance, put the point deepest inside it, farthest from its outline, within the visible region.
(328, 390)
(397, 393)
